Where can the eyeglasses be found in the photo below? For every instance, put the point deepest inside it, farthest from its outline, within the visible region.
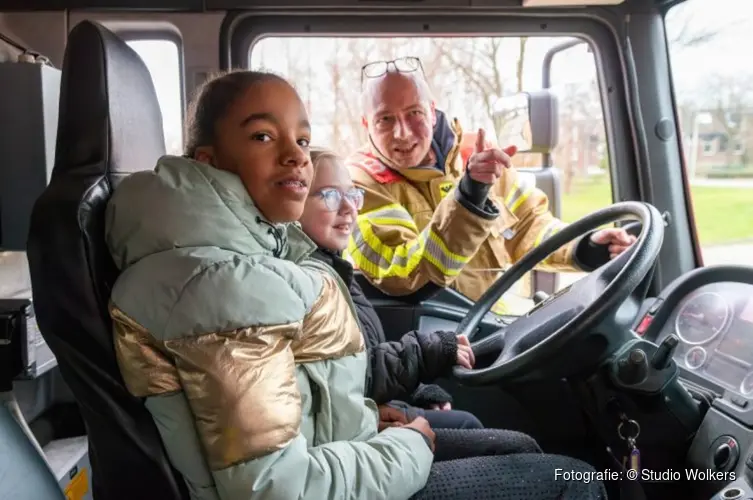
(401, 64)
(333, 198)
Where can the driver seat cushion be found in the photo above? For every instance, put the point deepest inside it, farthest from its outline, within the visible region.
(109, 126)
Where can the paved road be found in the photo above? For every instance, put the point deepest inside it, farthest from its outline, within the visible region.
(739, 254)
(735, 183)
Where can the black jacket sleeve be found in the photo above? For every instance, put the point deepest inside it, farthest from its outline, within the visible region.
(397, 368)
(589, 255)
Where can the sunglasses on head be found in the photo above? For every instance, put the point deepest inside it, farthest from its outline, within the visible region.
(333, 198)
(376, 69)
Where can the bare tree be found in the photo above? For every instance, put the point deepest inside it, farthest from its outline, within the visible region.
(730, 104)
(336, 72)
(521, 61)
(580, 122)
(686, 30)
(477, 61)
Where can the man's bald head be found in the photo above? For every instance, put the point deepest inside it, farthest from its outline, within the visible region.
(398, 111)
(412, 86)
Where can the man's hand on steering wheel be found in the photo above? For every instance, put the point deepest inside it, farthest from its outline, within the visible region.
(587, 313)
(617, 239)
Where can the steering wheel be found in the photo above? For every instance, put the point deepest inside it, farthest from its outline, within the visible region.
(570, 315)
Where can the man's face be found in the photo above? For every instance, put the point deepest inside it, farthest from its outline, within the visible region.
(400, 120)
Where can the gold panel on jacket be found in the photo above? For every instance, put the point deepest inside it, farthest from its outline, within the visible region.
(241, 384)
(147, 370)
(329, 330)
(242, 390)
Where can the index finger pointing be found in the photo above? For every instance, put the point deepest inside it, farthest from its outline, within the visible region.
(480, 140)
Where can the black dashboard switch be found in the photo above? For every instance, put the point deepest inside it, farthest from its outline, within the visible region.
(721, 456)
(738, 401)
(725, 453)
(663, 354)
(634, 369)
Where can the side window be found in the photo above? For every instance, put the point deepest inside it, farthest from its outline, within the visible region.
(715, 108)
(467, 76)
(582, 156)
(162, 58)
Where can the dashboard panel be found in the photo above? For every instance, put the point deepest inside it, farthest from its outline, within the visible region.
(710, 310)
(714, 323)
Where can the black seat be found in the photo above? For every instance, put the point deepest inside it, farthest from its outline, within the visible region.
(109, 126)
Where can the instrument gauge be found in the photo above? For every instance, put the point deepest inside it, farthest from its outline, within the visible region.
(695, 357)
(746, 386)
(701, 318)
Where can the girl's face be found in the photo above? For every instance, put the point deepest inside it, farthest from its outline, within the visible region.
(332, 206)
(264, 138)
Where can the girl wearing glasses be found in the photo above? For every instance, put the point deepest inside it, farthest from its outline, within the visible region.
(490, 463)
(397, 370)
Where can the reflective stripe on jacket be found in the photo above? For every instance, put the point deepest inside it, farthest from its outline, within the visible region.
(411, 232)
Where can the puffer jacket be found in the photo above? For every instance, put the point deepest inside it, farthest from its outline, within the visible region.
(397, 370)
(246, 351)
(416, 228)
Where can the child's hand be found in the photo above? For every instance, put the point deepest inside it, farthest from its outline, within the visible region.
(466, 359)
(391, 417)
(421, 425)
(442, 407)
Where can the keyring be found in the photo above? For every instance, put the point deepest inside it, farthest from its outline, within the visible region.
(631, 422)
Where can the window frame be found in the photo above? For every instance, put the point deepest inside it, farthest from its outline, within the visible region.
(137, 33)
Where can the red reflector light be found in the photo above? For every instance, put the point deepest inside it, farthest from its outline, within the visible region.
(644, 324)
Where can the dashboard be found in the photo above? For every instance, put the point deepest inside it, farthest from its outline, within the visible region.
(710, 311)
(714, 323)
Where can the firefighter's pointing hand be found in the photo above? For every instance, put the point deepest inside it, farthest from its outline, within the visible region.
(485, 164)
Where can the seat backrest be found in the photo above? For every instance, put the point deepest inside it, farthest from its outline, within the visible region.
(109, 126)
(24, 474)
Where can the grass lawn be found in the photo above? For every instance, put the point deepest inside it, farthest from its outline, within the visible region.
(723, 215)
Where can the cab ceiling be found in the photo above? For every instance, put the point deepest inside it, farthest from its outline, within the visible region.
(224, 5)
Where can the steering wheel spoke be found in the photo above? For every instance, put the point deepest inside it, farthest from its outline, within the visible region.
(541, 322)
(569, 315)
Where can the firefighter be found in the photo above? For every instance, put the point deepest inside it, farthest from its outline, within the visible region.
(431, 216)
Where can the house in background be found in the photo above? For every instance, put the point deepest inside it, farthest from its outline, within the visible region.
(718, 143)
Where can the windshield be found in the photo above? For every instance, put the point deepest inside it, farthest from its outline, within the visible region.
(709, 49)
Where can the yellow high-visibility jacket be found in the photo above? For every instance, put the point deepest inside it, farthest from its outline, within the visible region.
(415, 229)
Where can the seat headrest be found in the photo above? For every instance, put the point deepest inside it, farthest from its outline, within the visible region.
(109, 114)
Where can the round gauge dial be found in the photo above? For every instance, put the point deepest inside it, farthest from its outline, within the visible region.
(702, 318)
(746, 386)
(695, 357)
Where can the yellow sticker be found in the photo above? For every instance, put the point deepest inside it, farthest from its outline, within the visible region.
(78, 487)
(445, 187)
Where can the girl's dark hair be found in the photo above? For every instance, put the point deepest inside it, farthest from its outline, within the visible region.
(213, 99)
